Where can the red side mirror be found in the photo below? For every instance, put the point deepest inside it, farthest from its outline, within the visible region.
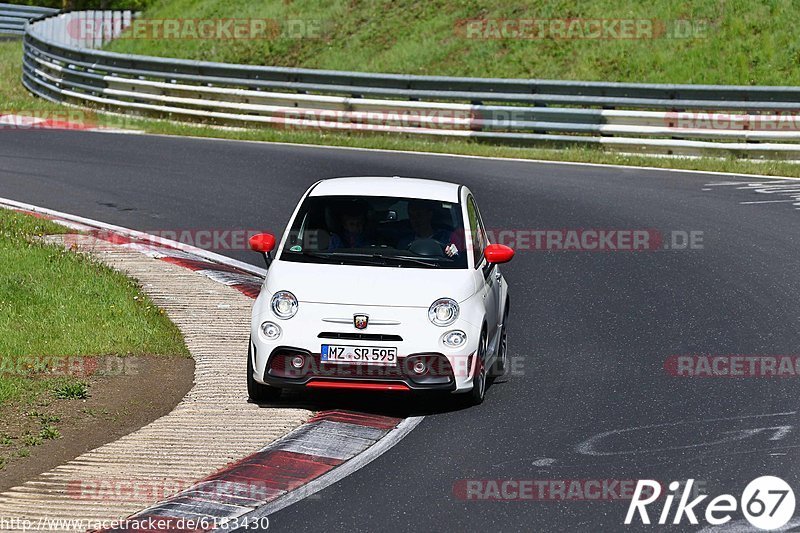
(498, 253)
(262, 242)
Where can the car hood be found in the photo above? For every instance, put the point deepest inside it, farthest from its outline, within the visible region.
(369, 285)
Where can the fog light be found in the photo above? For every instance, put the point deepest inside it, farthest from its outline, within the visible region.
(271, 330)
(454, 339)
(419, 367)
(298, 361)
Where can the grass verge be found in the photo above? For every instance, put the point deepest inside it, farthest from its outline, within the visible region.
(58, 310)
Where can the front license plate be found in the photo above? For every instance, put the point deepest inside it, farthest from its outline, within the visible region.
(372, 355)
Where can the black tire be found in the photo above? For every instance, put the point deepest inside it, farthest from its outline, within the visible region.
(258, 392)
(481, 377)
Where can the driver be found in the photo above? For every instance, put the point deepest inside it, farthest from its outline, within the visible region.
(420, 216)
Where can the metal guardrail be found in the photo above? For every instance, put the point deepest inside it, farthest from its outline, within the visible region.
(13, 17)
(62, 62)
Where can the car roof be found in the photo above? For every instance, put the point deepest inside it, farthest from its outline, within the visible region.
(388, 186)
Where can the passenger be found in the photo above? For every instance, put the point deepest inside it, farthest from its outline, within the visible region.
(352, 234)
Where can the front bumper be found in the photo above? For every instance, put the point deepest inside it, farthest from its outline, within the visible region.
(446, 369)
(439, 374)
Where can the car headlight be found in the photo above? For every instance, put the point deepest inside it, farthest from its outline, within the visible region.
(284, 304)
(271, 330)
(443, 312)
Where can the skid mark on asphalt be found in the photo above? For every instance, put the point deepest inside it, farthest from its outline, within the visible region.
(784, 191)
(590, 446)
(763, 434)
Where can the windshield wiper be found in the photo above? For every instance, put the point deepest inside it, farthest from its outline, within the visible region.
(365, 258)
(405, 259)
(361, 258)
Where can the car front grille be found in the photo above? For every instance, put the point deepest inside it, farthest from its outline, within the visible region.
(438, 370)
(360, 336)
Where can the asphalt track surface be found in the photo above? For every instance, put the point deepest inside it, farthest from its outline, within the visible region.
(590, 331)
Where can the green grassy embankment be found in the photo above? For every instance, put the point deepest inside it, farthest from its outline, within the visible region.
(730, 42)
(56, 308)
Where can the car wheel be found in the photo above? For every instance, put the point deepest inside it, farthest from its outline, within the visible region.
(501, 362)
(478, 392)
(258, 392)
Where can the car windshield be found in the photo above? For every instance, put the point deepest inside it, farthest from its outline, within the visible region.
(377, 230)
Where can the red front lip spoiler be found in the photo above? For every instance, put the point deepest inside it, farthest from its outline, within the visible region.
(358, 385)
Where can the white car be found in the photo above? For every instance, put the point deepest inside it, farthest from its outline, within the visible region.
(380, 283)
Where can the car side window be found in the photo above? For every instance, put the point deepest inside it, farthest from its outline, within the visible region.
(476, 231)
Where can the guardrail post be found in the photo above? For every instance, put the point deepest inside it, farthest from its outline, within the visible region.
(103, 28)
(97, 35)
(116, 29)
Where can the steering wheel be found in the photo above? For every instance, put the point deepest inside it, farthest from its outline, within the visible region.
(427, 248)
